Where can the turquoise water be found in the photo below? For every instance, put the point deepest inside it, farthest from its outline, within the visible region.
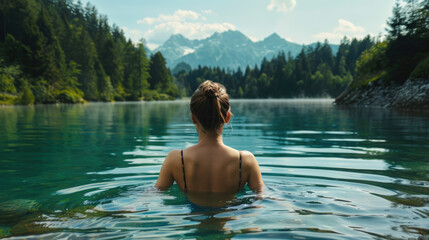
(87, 171)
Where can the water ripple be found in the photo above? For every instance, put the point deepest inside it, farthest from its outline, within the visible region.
(329, 173)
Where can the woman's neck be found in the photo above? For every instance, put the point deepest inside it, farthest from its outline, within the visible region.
(212, 137)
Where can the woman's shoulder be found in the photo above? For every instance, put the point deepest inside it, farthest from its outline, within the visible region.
(247, 154)
(243, 153)
(174, 153)
(172, 157)
(248, 159)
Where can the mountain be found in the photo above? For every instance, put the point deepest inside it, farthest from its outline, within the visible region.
(230, 49)
(177, 46)
(273, 44)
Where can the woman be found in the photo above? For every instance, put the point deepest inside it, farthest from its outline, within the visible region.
(210, 166)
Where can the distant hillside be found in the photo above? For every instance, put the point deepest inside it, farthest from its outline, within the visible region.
(230, 49)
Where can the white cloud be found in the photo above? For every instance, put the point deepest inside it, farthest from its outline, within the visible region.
(134, 34)
(179, 16)
(148, 21)
(281, 5)
(151, 46)
(193, 30)
(344, 28)
(186, 22)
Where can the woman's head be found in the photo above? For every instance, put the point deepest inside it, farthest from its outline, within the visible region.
(210, 105)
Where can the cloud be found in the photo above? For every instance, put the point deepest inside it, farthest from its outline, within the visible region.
(134, 34)
(186, 22)
(281, 5)
(151, 46)
(344, 28)
(148, 21)
(179, 15)
(193, 30)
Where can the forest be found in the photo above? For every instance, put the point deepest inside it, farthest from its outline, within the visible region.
(315, 72)
(404, 54)
(60, 51)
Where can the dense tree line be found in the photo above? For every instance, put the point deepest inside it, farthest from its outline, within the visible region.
(315, 72)
(60, 51)
(405, 52)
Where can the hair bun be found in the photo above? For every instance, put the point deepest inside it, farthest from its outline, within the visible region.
(210, 105)
(210, 89)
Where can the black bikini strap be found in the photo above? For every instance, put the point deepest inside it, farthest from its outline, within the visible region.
(183, 168)
(239, 170)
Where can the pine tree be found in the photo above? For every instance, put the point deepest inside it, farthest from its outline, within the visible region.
(396, 23)
(159, 76)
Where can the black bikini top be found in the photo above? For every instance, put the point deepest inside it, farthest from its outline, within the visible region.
(184, 176)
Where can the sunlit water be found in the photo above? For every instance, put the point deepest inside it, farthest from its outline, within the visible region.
(87, 171)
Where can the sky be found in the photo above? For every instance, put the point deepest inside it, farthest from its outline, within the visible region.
(299, 21)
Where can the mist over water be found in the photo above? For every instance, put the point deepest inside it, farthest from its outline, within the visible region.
(88, 171)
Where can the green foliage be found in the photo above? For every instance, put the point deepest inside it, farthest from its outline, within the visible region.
(397, 22)
(4, 232)
(26, 97)
(7, 78)
(411, 46)
(67, 96)
(65, 52)
(405, 53)
(153, 95)
(7, 99)
(410, 19)
(422, 69)
(43, 92)
(371, 66)
(71, 80)
(159, 74)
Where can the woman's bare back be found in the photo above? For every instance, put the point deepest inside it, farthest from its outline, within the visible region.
(211, 169)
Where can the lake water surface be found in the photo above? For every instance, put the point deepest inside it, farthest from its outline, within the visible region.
(87, 171)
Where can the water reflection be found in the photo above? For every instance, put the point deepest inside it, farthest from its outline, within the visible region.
(74, 138)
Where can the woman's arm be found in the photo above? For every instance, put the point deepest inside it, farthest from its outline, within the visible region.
(166, 179)
(254, 181)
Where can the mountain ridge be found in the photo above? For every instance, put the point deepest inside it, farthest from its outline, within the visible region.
(228, 49)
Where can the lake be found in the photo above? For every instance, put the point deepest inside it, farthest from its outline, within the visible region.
(87, 171)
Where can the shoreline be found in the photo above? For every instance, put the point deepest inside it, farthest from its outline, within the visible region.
(412, 95)
(180, 99)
